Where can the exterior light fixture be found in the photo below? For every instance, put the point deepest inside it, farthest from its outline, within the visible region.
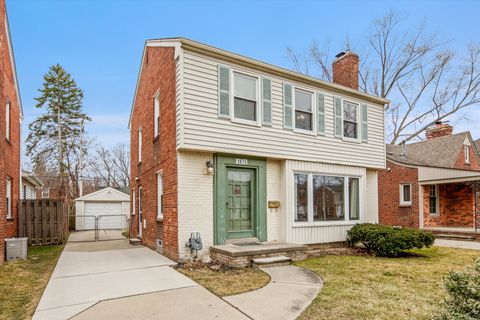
(210, 167)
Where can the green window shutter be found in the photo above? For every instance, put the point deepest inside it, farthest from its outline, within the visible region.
(223, 92)
(320, 113)
(287, 106)
(364, 123)
(338, 117)
(267, 101)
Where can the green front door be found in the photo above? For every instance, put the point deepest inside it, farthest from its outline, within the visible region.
(240, 203)
(240, 197)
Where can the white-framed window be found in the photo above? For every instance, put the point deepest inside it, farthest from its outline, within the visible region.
(7, 121)
(245, 97)
(139, 145)
(466, 151)
(45, 193)
(303, 106)
(156, 115)
(406, 194)
(159, 195)
(321, 198)
(350, 120)
(8, 203)
(133, 202)
(433, 199)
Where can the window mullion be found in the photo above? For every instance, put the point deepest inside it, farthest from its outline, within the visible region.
(310, 197)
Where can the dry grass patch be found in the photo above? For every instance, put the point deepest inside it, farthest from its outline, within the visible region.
(363, 287)
(22, 282)
(227, 282)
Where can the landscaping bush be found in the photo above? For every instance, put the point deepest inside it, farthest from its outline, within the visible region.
(387, 241)
(463, 302)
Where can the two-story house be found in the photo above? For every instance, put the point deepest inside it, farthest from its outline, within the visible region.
(234, 148)
(10, 121)
(433, 184)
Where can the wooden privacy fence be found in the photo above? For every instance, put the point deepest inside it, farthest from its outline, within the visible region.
(43, 221)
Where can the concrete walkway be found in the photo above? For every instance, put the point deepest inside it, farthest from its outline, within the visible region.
(114, 280)
(474, 245)
(290, 291)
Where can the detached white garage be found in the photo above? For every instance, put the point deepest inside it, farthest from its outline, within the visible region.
(108, 206)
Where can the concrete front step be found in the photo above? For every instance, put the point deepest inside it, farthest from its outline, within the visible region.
(275, 261)
(455, 236)
(135, 241)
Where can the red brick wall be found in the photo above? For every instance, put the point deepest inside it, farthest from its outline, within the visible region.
(390, 211)
(460, 162)
(345, 70)
(158, 73)
(456, 206)
(10, 150)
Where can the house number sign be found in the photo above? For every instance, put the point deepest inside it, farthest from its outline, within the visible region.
(241, 161)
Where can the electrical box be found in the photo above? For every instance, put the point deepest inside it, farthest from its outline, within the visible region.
(16, 248)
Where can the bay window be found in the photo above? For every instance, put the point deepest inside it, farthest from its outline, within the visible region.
(303, 110)
(324, 198)
(244, 97)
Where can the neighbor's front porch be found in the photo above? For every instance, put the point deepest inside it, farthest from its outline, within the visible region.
(449, 205)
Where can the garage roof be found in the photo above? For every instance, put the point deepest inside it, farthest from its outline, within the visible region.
(106, 194)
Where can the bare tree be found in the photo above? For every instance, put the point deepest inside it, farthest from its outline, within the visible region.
(425, 80)
(110, 167)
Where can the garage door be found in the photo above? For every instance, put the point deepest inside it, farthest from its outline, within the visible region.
(110, 212)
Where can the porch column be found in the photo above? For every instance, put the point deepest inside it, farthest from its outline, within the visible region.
(420, 206)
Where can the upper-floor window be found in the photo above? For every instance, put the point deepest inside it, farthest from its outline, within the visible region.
(466, 150)
(405, 194)
(245, 97)
(156, 115)
(320, 198)
(350, 120)
(139, 145)
(303, 110)
(7, 121)
(9, 198)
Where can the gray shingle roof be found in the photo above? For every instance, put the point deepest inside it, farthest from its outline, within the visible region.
(438, 152)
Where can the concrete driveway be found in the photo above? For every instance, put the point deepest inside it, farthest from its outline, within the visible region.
(114, 280)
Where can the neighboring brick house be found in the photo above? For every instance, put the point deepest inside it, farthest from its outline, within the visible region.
(237, 149)
(430, 184)
(10, 121)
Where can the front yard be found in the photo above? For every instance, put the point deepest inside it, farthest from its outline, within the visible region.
(360, 287)
(22, 282)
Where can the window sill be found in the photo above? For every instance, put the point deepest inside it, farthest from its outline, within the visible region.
(405, 205)
(307, 132)
(8, 141)
(10, 219)
(351, 140)
(325, 224)
(245, 122)
(159, 219)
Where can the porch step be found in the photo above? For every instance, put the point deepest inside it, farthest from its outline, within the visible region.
(454, 236)
(135, 241)
(274, 261)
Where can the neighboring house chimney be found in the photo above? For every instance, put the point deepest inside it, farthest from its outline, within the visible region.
(439, 130)
(345, 69)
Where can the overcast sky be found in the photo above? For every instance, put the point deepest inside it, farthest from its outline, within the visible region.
(100, 42)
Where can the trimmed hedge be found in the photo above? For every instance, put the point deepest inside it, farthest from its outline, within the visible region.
(387, 241)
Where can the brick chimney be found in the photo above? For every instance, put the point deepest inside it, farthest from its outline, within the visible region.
(439, 129)
(345, 69)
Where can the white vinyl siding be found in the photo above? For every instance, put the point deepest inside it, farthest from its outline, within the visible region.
(8, 193)
(156, 115)
(203, 130)
(274, 184)
(29, 192)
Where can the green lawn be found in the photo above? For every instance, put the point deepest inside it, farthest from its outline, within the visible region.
(22, 282)
(360, 287)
